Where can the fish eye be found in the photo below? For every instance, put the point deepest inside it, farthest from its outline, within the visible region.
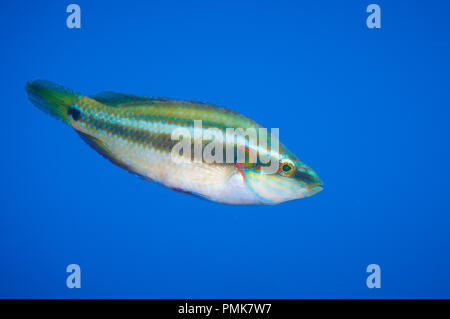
(286, 168)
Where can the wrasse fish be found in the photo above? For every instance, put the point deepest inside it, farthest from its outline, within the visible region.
(135, 133)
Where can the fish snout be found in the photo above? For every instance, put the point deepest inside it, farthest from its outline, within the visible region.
(310, 181)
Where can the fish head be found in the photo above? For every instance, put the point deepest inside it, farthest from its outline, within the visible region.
(291, 179)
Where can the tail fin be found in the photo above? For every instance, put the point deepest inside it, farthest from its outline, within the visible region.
(51, 98)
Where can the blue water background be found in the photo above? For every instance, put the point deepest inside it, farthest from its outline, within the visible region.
(369, 110)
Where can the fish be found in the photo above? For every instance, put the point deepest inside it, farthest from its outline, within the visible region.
(137, 133)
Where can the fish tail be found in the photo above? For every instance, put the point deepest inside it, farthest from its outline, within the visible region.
(51, 98)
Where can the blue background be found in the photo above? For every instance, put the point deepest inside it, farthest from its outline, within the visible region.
(367, 109)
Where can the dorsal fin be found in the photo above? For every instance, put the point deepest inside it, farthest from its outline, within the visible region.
(120, 99)
(116, 99)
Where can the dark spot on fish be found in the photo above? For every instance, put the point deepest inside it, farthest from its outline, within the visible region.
(74, 113)
(286, 168)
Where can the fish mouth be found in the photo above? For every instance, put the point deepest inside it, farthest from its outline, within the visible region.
(314, 190)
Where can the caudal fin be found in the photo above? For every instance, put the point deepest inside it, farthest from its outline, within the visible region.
(51, 98)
